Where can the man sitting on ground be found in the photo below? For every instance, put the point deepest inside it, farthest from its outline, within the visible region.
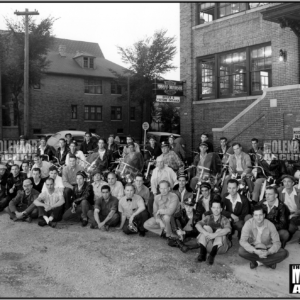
(214, 230)
(50, 204)
(164, 207)
(236, 207)
(133, 212)
(275, 211)
(260, 241)
(105, 214)
(82, 200)
(183, 223)
(21, 207)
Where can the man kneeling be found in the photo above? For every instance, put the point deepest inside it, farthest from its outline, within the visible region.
(260, 242)
(213, 230)
(105, 213)
(50, 204)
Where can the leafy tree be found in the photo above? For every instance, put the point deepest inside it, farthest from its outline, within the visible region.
(12, 57)
(148, 59)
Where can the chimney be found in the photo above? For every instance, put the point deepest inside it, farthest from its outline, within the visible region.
(62, 50)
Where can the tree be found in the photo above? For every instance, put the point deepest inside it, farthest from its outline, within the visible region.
(148, 59)
(12, 57)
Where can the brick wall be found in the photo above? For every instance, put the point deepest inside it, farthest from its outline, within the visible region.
(242, 30)
(51, 107)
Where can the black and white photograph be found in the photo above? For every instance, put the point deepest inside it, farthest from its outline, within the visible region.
(149, 149)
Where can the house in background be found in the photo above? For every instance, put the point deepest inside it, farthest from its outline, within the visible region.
(78, 92)
(241, 66)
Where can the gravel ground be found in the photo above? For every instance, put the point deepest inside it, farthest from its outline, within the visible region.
(71, 261)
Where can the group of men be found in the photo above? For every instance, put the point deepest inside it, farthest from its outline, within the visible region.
(170, 208)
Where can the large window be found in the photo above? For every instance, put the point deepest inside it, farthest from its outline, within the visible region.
(93, 86)
(93, 113)
(236, 73)
(209, 11)
(74, 111)
(116, 88)
(116, 113)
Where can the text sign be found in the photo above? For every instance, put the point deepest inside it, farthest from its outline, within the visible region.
(282, 149)
(160, 98)
(145, 126)
(169, 88)
(296, 133)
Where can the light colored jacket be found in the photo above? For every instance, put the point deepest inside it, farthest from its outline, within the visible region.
(246, 161)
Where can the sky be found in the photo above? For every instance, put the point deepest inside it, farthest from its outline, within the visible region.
(108, 24)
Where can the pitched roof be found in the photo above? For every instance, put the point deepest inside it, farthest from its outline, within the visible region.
(68, 66)
(73, 46)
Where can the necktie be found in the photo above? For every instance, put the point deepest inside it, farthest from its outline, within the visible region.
(129, 199)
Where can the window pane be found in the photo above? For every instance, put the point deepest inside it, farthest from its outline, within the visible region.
(207, 85)
(85, 62)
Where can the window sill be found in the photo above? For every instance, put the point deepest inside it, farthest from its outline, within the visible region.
(93, 121)
(226, 99)
(116, 120)
(90, 94)
(235, 15)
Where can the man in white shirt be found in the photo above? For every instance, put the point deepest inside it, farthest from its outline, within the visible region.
(50, 204)
(43, 165)
(162, 172)
(116, 187)
(58, 182)
(290, 196)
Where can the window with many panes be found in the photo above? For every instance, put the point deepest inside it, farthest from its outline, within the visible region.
(93, 86)
(116, 113)
(88, 62)
(235, 73)
(132, 113)
(209, 11)
(93, 113)
(74, 111)
(115, 88)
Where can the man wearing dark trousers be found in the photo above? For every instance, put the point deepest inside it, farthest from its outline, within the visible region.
(133, 212)
(105, 214)
(260, 241)
(235, 207)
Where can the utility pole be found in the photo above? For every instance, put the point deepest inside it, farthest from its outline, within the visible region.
(26, 13)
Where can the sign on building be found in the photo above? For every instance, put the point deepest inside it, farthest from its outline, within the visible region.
(168, 90)
(296, 133)
(282, 149)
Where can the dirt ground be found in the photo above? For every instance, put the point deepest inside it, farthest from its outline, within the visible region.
(71, 261)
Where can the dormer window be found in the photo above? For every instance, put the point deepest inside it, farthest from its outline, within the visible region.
(88, 62)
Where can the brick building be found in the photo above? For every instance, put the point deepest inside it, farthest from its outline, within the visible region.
(78, 92)
(241, 66)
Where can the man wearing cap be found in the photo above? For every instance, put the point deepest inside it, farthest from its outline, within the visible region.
(210, 161)
(204, 139)
(129, 139)
(112, 146)
(50, 204)
(177, 148)
(162, 172)
(58, 182)
(153, 150)
(182, 188)
(88, 146)
(236, 207)
(69, 179)
(164, 206)
(133, 158)
(37, 181)
(14, 184)
(102, 158)
(42, 165)
(68, 137)
(106, 213)
(133, 212)
(213, 230)
(21, 207)
(62, 152)
(276, 212)
(44, 149)
(183, 223)
(290, 196)
(82, 200)
(116, 187)
(170, 158)
(81, 160)
(98, 184)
